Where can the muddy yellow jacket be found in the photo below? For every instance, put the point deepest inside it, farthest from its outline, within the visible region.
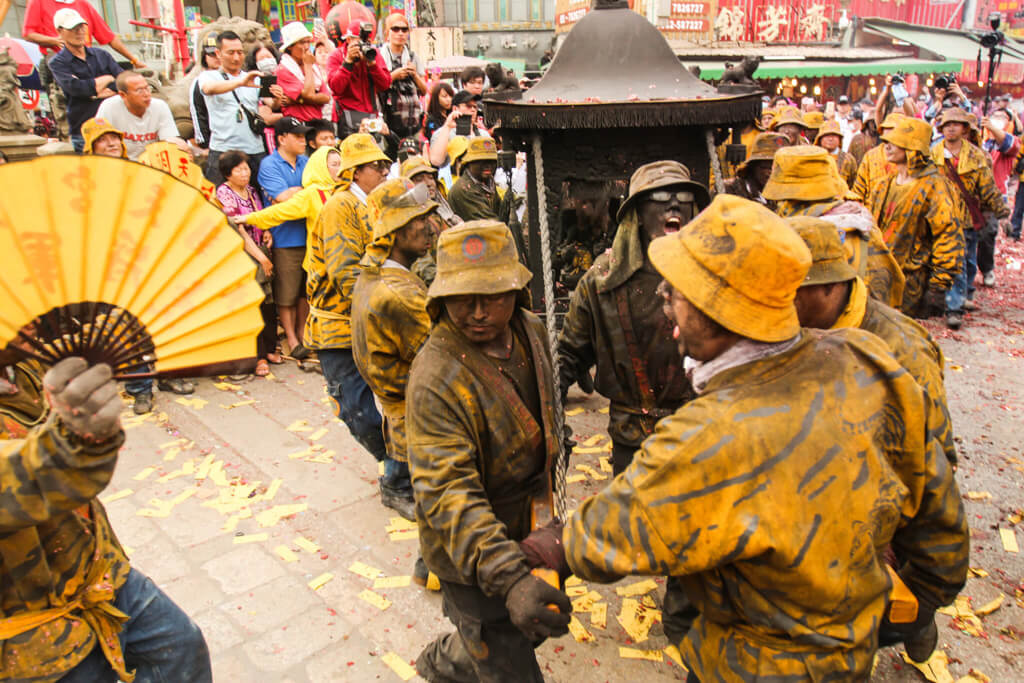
(873, 168)
(338, 242)
(974, 167)
(771, 495)
(922, 230)
(847, 166)
(55, 537)
(477, 456)
(616, 322)
(910, 344)
(389, 325)
(471, 200)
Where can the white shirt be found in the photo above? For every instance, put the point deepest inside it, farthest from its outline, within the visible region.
(156, 123)
(229, 128)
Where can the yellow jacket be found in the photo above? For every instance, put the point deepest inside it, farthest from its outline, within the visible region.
(389, 325)
(873, 168)
(771, 496)
(974, 167)
(336, 246)
(55, 540)
(317, 187)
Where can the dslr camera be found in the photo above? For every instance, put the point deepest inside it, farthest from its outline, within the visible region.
(945, 80)
(898, 78)
(365, 46)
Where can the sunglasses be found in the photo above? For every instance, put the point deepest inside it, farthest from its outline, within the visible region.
(400, 29)
(662, 196)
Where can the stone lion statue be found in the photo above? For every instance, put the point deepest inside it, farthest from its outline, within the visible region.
(742, 74)
(14, 119)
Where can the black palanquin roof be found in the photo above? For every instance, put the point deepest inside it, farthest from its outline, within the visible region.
(615, 69)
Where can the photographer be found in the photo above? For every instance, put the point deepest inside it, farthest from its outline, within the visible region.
(946, 90)
(894, 97)
(356, 73)
(401, 102)
(460, 122)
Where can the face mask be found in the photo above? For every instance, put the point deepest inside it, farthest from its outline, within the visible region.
(267, 65)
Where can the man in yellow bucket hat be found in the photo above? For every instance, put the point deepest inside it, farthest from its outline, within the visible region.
(830, 138)
(752, 174)
(770, 493)
(418, 170)
(805, 182)
(474, 195)
(919, 219)
(874, 166)
(482, 441)
(389, 316)
(337, 244)
(789, 122)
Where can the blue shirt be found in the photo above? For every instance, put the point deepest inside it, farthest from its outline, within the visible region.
(77, 78)
(277, 175)
(229, 129)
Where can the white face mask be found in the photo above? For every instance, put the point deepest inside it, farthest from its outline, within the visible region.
(267, 65)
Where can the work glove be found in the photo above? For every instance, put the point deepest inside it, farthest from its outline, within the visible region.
(543, 548)
(934, 302)
(527, 603)
(918, 637)
(84, 398)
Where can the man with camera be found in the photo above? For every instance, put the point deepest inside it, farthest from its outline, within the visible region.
(946, 90)
(460, 122)
(401, 102)
(356, 73)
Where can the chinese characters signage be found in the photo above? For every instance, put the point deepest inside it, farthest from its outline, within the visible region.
(768, 21)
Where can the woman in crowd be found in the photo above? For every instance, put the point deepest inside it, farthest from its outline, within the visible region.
(264, 57)
(440, 106)
(299, 76)
(239, 199)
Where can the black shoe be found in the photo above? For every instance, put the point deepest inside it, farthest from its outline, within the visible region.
(921, 646)
(399, 501)
(299, 352)
(176, 386)
(424, 577)
(143, 404)
(954, 319)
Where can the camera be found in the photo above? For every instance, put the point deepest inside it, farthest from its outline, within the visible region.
(365, 46)
(898, 78)
(944, 81)
(374, 124)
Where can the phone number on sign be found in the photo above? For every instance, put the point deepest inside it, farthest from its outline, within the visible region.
(681, 9)
(571, 17)
(685, 25)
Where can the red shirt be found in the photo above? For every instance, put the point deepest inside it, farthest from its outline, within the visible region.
(292, 87)
(350, 83)
(39, 19)
(1003, 162)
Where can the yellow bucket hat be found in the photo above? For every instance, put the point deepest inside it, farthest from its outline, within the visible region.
(955, 115)
(95, 128)
(786, 115)
(763, 148)
(805, 173)
(891, 119)
(813, 119)
(478, 257)
(415, 165)
(740, 264)
(828, 128)
(913, 135)
(662, 174)
(457, 146)
(358, 149)
(828, 258)
(481, 149)
(394, 203)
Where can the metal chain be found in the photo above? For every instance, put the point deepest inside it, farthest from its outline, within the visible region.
(716, 166)
(549, 313)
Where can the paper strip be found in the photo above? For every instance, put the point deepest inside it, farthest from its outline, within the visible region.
(306, 544)
(143, 474)
(672, 652)
(408, 535)
(319, 581)
(633, 653)
(575, 478)
(123, 493)
(250, 538)
(574, 412)
(1009, 541)
(378, 601)
(318, 434)
(638, 588)
(286, 553)
(579, 631)
(599, 615)
(392, 582)
(401, 667)
(365, 571)
(594, 440)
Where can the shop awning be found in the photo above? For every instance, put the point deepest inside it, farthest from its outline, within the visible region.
(712, 70)
(947, 43)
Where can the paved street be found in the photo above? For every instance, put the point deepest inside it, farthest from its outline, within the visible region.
(251, 506)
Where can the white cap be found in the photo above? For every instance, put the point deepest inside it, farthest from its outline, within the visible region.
(292, 33)
(67, 18)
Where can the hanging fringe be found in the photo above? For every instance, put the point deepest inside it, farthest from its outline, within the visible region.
(717, 112)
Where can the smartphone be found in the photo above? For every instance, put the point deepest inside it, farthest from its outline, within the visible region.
(265, 83)
(899, 93)
(464, 125)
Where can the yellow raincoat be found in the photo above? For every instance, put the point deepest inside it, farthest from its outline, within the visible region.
(920, 222)
(60, 562)
(771, 496)
(847, 166)
(389, 325)
(873, 168)
(317, 187)
(974, 167)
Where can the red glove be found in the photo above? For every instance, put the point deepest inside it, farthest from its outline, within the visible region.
(543, 548)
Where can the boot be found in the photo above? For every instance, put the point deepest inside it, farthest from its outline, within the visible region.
(921, 646)
(424, 577)
(399, 501)
(176, 386)
(954, 319)
(143, 403)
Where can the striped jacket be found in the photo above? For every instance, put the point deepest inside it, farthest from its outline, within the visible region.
(771, 496)
(873, 169)
(55, 537)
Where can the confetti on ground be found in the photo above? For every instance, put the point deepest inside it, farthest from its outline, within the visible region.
(978, 572)
(123, 493)
(401, 667)
(979, 495)
(325, 458)
(306, 544)
(1014, 518)
(599, 615)
(227, 386)
(162, 508)
(380, 468)
(672, 652)
(633, 653)
(575, 478)
(378, 601)
(278, 512)
(1009, 541)
(392, 582)
(171, 454)
(299, 426)
(603, 411)
(400, 524)
(196, 403)
(594, 440)
(250, 538)
(407, 535)
(576, 591)
(286, 553)
(179, 443)
(574, 412)
(606, 464)
(583, 450)
(579, 631)
(585, 603)
(143, 474)
(239, 404)
(365, 571)
(318, 582)
(964, 618)
(635, 589)
(203, 470)
(594, 474)
(990, 606)
(573, 581)
(318, 434)
(974, 677)
(272, 490)
(304, 453)
(636, 619)
(935, 669)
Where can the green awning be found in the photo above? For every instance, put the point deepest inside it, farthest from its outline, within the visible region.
(712, 70)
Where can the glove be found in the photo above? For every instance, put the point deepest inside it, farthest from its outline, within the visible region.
(934, 302)
(543, 548)
(890, 633)
(527, 602)
(585, 381)
(84, 398)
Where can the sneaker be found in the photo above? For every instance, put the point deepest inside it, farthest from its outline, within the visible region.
(143, 403)
(176, 386)
(989, 279)
(969, 304)
(424, 577)
(954, 319)
(921, 646)
(400, 502)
